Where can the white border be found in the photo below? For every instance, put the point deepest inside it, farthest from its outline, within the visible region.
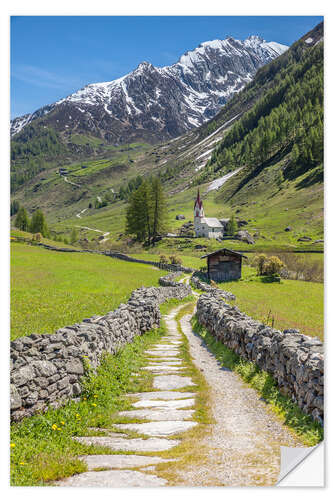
(142, 7)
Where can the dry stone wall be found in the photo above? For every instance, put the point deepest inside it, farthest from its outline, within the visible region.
(46, 369)
(216, 292)
(295, 361)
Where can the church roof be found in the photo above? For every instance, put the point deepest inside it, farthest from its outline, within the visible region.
(198, 200)
(212, 222)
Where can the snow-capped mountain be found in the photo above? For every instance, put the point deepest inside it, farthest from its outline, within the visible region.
(153, 103)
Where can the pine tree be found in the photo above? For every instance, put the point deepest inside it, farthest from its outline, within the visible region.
(22, 221)
(38, 223)
(231, 226)
(158, 207)
(14, 207)
(74, 236)
(138, 213)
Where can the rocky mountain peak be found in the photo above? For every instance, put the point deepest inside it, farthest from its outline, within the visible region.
(154, 104)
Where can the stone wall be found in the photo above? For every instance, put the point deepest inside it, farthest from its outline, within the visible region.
(166, 267)
(205, 287)
(46, 369)
(295, 361)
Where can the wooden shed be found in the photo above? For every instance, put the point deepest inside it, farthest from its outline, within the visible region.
(224, 265)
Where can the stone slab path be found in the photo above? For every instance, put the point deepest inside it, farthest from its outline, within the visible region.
(163, 413)
(240, 448)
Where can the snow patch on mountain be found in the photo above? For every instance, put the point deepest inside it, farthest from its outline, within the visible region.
(169, 100)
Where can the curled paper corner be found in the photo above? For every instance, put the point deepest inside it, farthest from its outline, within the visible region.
(291, 458)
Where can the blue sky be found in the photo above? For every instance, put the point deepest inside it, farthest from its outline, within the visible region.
(52, 56)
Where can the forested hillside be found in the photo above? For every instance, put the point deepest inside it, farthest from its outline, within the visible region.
(288, 118)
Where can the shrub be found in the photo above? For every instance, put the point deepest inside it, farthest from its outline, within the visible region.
(273, 266)
(163, 259)
(259, 262)
(37, 237)
(174, 259)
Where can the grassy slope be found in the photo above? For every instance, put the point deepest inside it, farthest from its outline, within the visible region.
(50, 290)
(24, 234)
(291, 304)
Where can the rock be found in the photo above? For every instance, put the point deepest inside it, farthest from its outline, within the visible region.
(288, 228)
(15, 399)
(318, 241)
(169, 382)
(23, 375)
(162, 405)
(241, 223)
(113, 479)
(166, 395)
(244, 236)
(180, 217)
(158, 429)
(120, 461)
(200, 247)
(304, 238)
(155, 415)
(136, 444)
(75, 366)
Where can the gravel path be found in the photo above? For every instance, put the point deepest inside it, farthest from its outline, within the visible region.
(241, 447)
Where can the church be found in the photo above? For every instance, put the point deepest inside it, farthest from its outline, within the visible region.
(205, 227)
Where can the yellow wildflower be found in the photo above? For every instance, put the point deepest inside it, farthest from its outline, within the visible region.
(62, 423)
(12, 445)
(22, 463)
(95, 396)
(54, 427)
(94, 404)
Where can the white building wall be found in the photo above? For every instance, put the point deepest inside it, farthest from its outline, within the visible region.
(202, 230)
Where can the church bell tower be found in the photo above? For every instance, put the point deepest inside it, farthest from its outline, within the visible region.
(198, 207)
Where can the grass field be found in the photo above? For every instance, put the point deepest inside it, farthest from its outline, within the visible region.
(289, 304)
(24, 234)
(50, 289)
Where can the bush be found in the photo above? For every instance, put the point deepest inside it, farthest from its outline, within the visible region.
(259, 262)
(174, 259)
(37, 237)
(273, 266)
(163, 259)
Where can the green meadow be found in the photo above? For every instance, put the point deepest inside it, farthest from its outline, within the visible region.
(52, 289)
(289, 304)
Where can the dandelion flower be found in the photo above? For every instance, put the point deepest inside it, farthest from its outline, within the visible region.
(62, 423)
(12, 445)
(22, 463)
(54, 427)
(94, 404)
(95, 396)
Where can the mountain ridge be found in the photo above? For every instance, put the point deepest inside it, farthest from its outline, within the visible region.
(163, 102)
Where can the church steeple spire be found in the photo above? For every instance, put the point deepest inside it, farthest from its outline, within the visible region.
(198, 206)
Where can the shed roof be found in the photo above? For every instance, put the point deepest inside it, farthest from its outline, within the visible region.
(225, 251)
